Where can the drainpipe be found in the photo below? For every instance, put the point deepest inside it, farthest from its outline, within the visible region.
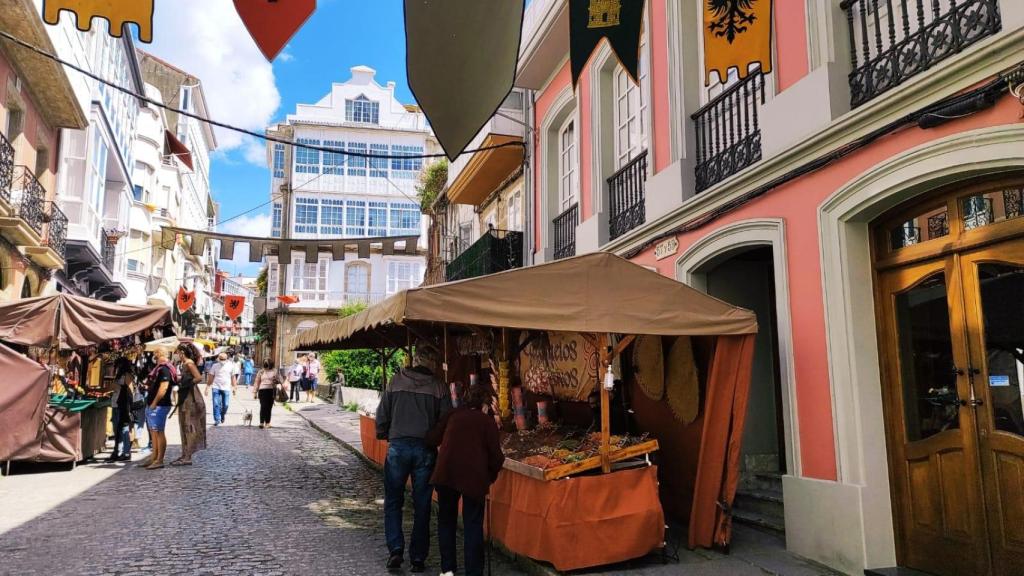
(528, 219)
(282, 279)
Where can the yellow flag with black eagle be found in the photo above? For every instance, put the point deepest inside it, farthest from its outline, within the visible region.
(737, 34)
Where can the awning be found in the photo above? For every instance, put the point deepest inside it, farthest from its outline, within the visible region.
(178, 149)
(595, 293)
(73, 321)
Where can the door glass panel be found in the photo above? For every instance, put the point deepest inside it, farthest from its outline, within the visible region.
(1002, 289)
(984, 209)
(926, 226)
(926, 359)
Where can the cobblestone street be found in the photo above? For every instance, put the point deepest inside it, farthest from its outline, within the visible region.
(288, 500)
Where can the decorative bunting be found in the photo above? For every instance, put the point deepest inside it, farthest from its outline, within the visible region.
(288, 299)
(234, 306)
(737, 33)
(185, 300)
(461, 47)
(620, 21)
(272, 23)
(117, 13)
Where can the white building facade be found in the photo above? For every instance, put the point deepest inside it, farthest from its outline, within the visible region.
(332, 195)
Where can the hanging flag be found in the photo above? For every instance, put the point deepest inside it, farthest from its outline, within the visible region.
(737, 33)
(456, 48)
(234, 306)
(272, 23)
(185, 299)
(288, 299)
(117, 13)
(620, 21)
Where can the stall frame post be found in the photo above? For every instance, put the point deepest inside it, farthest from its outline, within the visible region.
(503, 377)
(608, 354)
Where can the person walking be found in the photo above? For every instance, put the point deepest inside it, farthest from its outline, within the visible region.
(312, 375)
(268, 381)
(121, 411)
(469, 459)
(248, 370)
(414, 402)
(191, 406)
(222, 382)
(295, 380)
(158, 401)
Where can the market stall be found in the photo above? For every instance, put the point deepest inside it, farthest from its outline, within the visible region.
(56, 408)
(563, 342)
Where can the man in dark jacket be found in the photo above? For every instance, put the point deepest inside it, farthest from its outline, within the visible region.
(412, 405)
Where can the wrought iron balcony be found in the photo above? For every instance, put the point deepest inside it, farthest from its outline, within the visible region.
(626, 196)
(6, 168)
(495, 251)
(27, 195)
(109, 249)
(729, 131)
(565, 232)
(893, 40)
(56, 237)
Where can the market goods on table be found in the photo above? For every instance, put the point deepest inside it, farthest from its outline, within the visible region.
(551, 452)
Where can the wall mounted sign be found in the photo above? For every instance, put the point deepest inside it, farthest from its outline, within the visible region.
(185, 300)
(563, 366)
(234, 306)
(272, 23)
(117, 13)
(620, 21)
(737, 33)
(667, 248)
(461, 58)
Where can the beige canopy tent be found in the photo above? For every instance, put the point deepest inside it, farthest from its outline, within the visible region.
(73, 321)
(597, 294)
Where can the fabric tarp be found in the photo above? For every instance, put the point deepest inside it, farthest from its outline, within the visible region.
(73, 321)
(23, 397)
(595, 293)
(579, 522)
(58, 438)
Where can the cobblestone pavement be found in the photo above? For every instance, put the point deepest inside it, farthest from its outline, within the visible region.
(288, 500)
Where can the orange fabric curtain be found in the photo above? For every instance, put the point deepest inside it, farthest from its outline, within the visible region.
(725, 410)
(580, 522)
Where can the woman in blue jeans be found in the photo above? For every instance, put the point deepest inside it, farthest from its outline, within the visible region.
(158, 406)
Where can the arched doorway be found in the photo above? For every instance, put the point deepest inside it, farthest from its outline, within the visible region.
(949, 293)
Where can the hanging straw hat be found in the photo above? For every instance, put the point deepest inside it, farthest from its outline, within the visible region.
(649, 366)
(682, 386)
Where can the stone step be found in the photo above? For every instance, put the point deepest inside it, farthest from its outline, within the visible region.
(895, 572)
(771, 524)
(760, 502)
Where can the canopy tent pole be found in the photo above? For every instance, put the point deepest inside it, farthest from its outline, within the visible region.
(606, 359)
(503, 377)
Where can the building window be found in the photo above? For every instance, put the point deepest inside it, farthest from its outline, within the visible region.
(357, 278)
(273, 282)
(405, 218)
(137, 193)
(136, 266)
(379, 166)
(355, 218)
(631, 104)
(15, 124)
(278, 160)
(334, 162)
(307, 161)
(98, 164)
(515, 212)
(357, 164)
(406, 167)
(567, 161)
(332, 216)
(275, 222)
(309, 279)
(403, 276)
(362, 109)
(378, 219)
(306, 215)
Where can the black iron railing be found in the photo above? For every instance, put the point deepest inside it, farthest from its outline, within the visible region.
(27, 195)
(626, 197)
(729, 131)
(56, 229)
(6, 168)
(495, 251)
(109, 248)
(892, 40)
(565, 232)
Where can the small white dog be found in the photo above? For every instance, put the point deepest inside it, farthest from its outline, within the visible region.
(247, 417)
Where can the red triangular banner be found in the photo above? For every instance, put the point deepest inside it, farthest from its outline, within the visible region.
(185, 299)
(234, 306)
(272, 23)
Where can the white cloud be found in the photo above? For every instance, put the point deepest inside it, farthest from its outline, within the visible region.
(211, 43)
(256, 225)
(285, 55)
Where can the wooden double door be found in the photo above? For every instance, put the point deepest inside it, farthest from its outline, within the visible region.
(951, 334)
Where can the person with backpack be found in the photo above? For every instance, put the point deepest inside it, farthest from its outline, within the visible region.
(268, 381)
(158, 401)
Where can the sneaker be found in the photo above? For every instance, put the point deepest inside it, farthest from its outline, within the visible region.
(395, 561)
(418, 567)
(448, 574)
(124, 458)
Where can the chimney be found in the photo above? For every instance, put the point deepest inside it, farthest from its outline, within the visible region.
(362, 74)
